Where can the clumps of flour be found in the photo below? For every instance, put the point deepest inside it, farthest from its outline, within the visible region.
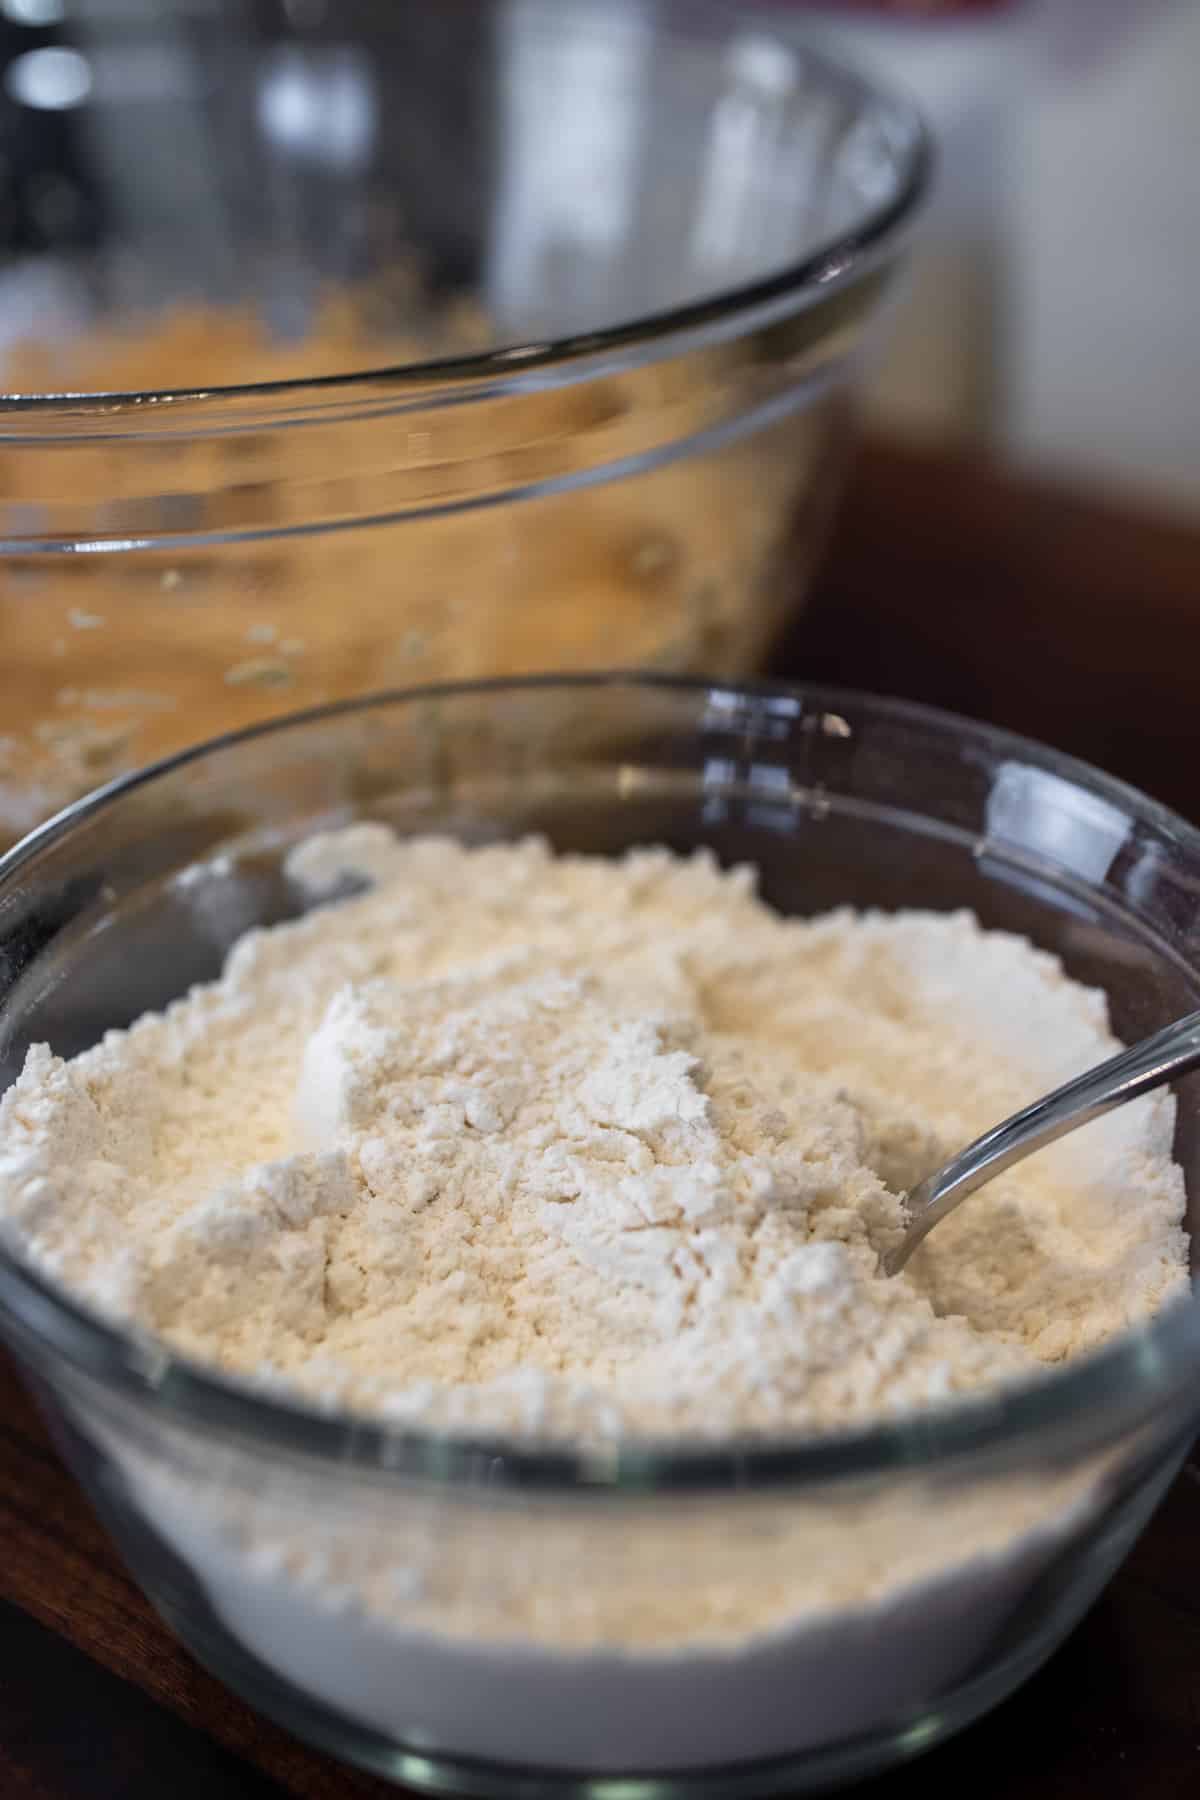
(582, 1148)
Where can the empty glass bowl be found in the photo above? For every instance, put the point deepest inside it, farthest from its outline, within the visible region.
(483, 1618)
(357, 345)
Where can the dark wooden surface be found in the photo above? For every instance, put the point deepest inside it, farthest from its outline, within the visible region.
(949, 582)
(952, 582)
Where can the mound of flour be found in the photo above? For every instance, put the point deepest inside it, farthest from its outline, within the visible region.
(588, 1148)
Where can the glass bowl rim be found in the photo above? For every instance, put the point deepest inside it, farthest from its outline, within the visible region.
(572, 357)
(1142, 1374)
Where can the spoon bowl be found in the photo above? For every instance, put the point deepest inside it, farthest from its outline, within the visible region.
(1162, 1057)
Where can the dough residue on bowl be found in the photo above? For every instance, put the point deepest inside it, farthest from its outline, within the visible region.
(221, 586)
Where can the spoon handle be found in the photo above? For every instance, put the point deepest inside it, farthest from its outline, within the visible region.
(1169, 1053)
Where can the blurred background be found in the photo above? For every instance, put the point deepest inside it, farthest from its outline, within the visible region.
(1022, 539)
(1052, 311)
(1028, 483)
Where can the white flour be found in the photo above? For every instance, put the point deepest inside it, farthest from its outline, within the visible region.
(583, 1149)
(591, 1148)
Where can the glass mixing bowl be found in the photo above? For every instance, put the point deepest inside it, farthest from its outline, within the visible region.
(358, 345)
(360, 1583)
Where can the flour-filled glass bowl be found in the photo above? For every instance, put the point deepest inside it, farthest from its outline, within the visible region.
(357, 345)
(483, 1617)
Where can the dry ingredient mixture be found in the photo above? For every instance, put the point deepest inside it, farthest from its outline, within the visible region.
(580, 1148)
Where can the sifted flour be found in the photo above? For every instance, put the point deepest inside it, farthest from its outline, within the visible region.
(584, 1148)
(580, 1149)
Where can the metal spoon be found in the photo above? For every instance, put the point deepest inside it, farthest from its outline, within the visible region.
(1171, 1052)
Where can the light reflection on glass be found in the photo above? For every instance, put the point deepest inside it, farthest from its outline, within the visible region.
(747, 120)
(34, 13)
(573, 108)
(1038, 811)
(51, 79)
(319, 105)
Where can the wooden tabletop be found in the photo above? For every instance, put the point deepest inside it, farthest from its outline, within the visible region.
(948, 581)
